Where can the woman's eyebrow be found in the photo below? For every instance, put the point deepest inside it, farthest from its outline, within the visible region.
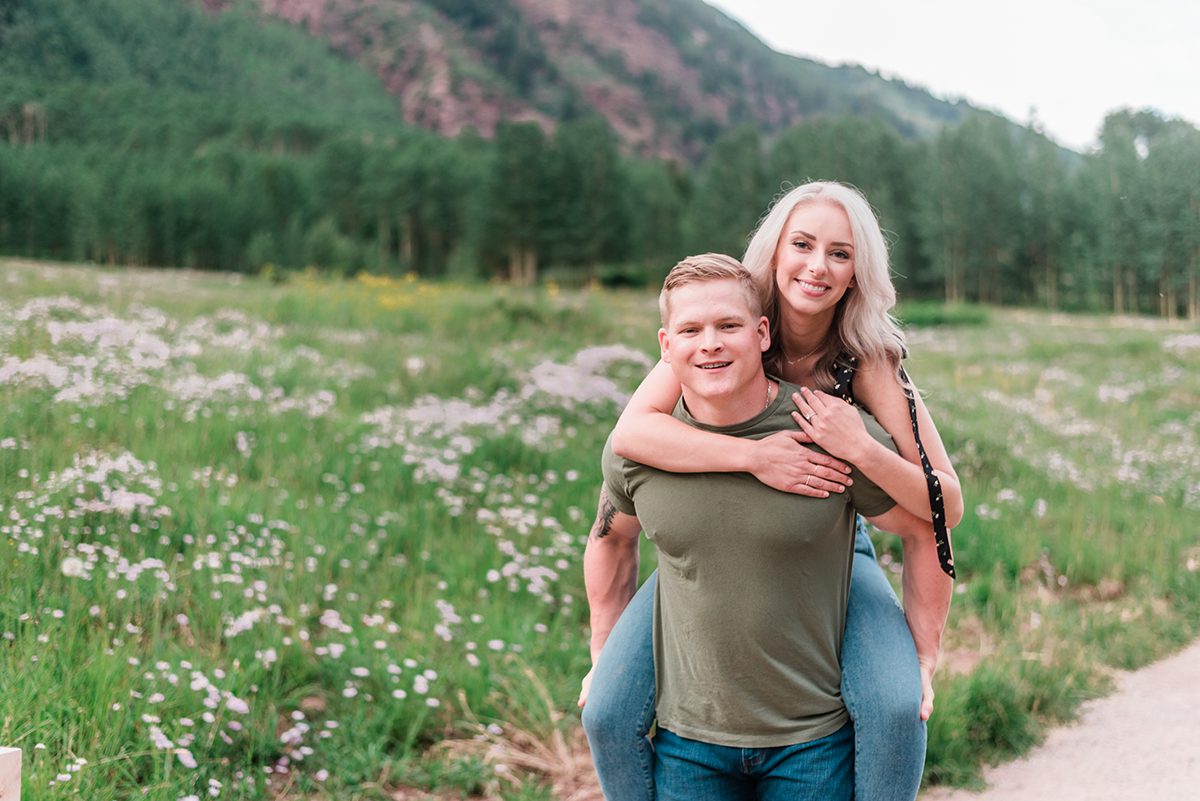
(807, 235)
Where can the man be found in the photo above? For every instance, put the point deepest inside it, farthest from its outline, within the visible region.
(753, 582)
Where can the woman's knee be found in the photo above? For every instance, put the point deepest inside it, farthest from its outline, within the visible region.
(603, 722)
(893, 708)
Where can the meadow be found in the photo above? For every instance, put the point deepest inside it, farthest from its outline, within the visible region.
(323, 539)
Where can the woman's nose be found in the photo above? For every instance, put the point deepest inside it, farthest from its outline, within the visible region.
(816, 262)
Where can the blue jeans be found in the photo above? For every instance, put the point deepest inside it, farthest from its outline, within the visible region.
(881, 687)
(689, 770)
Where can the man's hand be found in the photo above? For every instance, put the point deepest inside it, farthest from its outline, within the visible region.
(927, 669)
(785, 464)
(586, 685)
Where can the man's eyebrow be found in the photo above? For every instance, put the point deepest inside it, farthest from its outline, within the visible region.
(725, 318)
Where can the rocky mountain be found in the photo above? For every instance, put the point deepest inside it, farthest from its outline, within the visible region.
(668, 75)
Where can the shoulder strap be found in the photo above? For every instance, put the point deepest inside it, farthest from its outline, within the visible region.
(940, 535)
(843, 381)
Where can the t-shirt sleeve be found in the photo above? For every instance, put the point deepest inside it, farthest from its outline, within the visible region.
(615, 481)
(865, 495)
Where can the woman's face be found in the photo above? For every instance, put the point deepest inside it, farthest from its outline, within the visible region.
(814, 260)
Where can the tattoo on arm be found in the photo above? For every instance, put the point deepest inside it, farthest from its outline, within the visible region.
(604, 517)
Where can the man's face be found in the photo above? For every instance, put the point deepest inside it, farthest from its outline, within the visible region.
(712, 342)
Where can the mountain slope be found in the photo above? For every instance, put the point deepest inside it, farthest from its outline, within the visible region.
(668, 75)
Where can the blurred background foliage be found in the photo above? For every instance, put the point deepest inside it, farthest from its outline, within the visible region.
(211, 136)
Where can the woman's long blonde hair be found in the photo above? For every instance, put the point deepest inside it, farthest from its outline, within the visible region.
(862, 325)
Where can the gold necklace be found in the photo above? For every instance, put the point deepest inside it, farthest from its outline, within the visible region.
(791, 362)
(768, 403)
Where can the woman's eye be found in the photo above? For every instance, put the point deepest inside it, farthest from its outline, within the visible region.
(841, 254)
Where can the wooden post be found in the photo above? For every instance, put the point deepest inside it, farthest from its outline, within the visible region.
(10, 774)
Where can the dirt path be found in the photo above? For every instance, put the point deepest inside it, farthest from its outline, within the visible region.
(1141, 742)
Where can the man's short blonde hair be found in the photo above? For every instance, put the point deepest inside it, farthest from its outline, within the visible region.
(709, 267)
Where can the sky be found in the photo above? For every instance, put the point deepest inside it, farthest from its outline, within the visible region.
(1065, 63)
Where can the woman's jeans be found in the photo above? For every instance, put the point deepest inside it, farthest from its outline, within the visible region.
(881, 687)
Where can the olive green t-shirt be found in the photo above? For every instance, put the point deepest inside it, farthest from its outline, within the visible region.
(752, 589)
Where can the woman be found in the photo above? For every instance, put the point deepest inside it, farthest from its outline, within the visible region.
(820, 262)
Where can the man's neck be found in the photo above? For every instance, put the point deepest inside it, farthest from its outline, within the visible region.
(729, 410)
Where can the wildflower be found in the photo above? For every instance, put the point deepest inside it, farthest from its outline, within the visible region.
(73, 567)
(159, 739)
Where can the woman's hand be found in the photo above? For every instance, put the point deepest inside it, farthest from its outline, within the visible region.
(785, 464)
(831, 423)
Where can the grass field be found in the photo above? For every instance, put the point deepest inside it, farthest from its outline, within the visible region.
(281, 541)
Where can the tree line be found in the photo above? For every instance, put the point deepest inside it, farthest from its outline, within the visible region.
(985, 212)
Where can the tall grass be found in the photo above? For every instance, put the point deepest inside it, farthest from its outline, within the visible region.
(265, 541)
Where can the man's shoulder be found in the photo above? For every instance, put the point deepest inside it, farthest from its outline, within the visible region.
(610, 462)
(615, 471)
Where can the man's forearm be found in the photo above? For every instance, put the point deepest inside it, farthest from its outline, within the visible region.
(927, 594)
(610, 570)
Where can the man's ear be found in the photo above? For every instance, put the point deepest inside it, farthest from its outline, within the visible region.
(664, 343)
(764, 333)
